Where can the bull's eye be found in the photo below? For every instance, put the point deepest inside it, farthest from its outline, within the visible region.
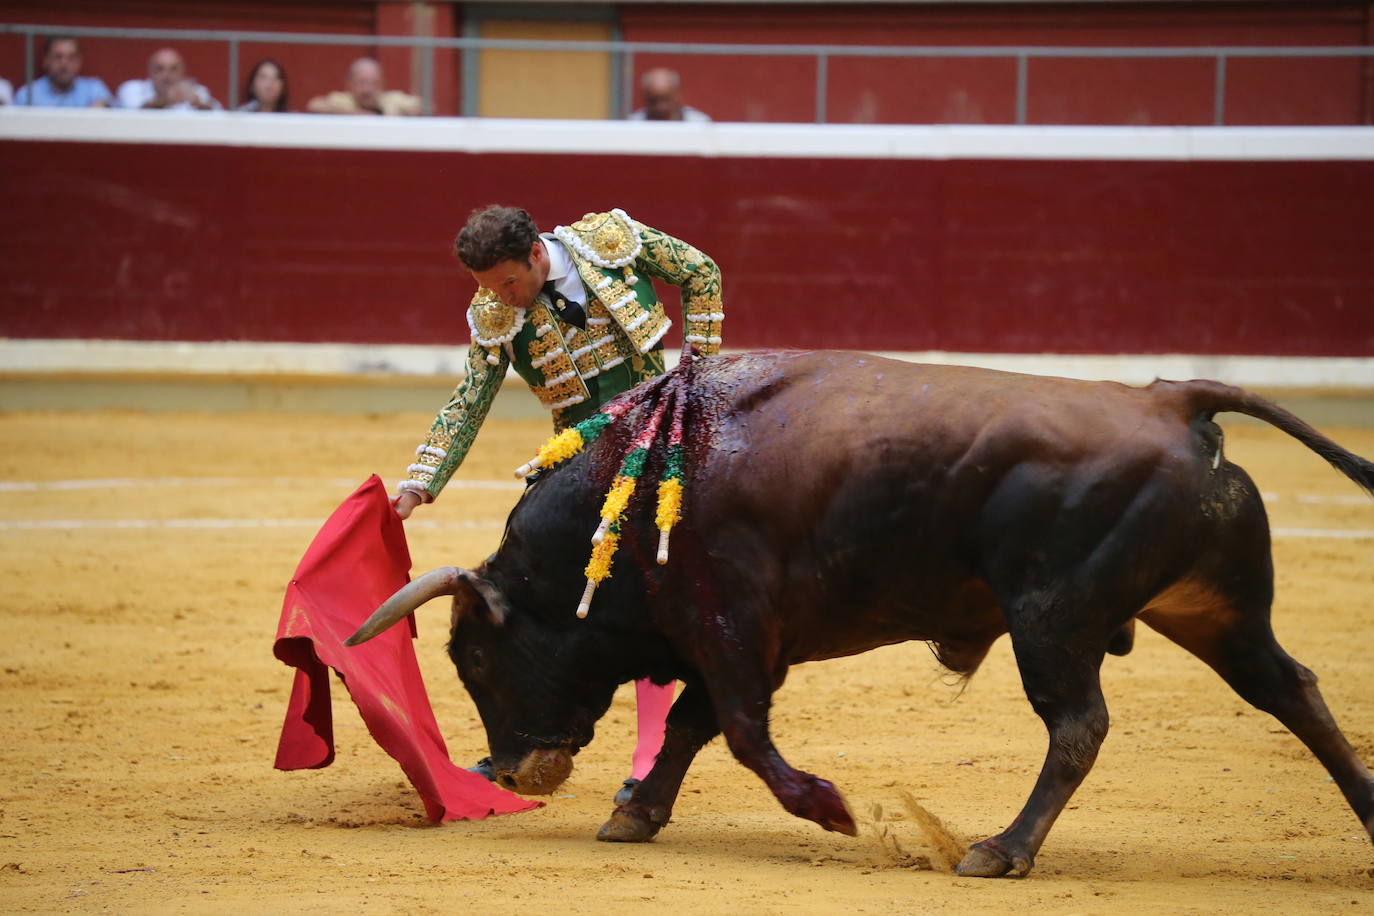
(476, 662)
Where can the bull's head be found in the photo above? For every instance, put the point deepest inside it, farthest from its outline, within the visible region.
(537, 710)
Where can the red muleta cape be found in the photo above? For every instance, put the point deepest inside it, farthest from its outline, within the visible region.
(357, 561)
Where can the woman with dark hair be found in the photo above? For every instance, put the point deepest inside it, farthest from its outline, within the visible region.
(266, 87)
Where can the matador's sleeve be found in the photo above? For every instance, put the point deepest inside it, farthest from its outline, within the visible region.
(674, 261)
(457, 424)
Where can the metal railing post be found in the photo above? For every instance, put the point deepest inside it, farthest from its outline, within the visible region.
(28, 63)
(233, 74)
(1022, 88)
(1219, 93)
(822, 85)
(471, 73)
(427, 79)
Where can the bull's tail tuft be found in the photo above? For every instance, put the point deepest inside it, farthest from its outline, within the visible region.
(1208, 398)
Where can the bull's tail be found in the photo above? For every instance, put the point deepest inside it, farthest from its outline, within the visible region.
(1207, 398)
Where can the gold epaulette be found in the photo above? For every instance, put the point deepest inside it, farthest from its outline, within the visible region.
(492, 322)
(606, 239)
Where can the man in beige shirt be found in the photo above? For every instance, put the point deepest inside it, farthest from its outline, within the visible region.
(365, 94)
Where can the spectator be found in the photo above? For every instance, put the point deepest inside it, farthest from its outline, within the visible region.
(62, 85)
(266, 88)
(365, 94)
(167, 86)
(6, 92)
(663, 99)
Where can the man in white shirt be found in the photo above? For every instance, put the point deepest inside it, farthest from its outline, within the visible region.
(663, 99)
(167, 87)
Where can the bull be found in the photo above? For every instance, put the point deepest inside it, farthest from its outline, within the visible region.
(836, 502)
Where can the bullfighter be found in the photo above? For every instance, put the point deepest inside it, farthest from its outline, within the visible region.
(575, 314)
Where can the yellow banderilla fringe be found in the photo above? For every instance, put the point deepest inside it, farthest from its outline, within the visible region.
(669, 503)
(618, 498)
(559, 448)
(598, 568)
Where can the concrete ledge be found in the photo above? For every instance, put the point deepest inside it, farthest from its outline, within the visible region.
(363, 394)
(714, 139)
(446, 362)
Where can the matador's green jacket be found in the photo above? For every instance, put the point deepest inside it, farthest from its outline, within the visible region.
(571, 370)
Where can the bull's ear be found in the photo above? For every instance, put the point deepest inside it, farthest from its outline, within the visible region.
(481, 594)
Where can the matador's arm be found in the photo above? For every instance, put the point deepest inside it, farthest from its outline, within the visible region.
(674, 261)
(456, 426)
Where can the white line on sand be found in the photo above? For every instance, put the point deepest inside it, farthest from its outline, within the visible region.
(181, 524)
(85, 524)
(32, 486)
(1322, 532)
(35, 486)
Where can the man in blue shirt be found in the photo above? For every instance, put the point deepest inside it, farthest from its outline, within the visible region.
(62, 85)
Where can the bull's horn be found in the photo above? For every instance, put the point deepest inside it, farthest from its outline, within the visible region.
(436, 582)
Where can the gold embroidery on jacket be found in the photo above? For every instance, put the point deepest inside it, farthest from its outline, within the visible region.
(676, 262)
(455, 428)
(606, 239)
(644, 325)
(549, 353)
(612, 254)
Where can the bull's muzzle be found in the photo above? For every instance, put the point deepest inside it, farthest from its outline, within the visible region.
(540, 772)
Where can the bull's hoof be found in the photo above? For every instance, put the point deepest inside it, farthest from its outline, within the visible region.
(842, 822)
(984, 861)
(825, 805)
(485, 769)
(632, 825)
(626, 792)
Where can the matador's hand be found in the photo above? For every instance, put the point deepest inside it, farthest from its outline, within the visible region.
(405, 502)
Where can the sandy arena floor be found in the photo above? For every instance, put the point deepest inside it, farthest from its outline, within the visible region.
(145, 555)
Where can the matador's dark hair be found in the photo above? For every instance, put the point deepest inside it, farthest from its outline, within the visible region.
(495, 234)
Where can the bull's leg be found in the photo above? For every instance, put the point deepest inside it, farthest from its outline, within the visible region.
(1221, 615)
(1060, 676)
(801, 793)
(691, 725)
(1244, 652)
(742, 694)
(737, 656)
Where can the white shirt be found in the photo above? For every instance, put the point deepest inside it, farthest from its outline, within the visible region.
(688, 114)
(137, 93)
(6, 92)
(565, 279)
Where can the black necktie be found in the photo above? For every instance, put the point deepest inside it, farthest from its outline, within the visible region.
(570, 310)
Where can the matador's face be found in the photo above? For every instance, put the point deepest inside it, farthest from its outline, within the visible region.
(514, 282)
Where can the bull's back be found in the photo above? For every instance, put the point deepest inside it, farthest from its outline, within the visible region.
(797, 419)
(863, 493)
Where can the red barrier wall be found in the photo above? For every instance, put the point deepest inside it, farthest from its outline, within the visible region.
(157, 242)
